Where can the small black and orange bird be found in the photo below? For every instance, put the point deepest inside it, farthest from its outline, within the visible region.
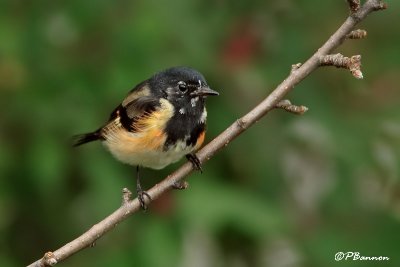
(161, 120)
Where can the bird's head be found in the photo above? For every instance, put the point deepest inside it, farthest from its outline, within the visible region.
(184, 87)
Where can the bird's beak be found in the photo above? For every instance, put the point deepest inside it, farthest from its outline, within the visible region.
(204, 91)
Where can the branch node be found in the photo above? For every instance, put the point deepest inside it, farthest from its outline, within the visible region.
(357, 34)
(295, 67)
(241, 124)
(180, 185)
(49, 259)
(354, 5)
(353, 64)
(289, 107)
(126, 196)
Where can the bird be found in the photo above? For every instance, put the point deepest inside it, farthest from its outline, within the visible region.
(161, 120)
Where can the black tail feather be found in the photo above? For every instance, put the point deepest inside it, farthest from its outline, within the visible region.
(81, 139)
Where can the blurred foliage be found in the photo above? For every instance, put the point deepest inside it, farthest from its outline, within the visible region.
(292, 191)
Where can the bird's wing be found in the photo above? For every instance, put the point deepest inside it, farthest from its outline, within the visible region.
(138, 103)
(134, 112)
(142, 111)
(141, 106)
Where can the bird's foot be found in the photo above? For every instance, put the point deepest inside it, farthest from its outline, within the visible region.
(195, 161)
(141, 194)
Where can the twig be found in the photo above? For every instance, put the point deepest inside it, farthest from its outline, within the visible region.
(295, 67)
(380, 5)
(49, 259)
(222, 140)
(180, 185)
(288, 106)
(357, 34)
(338, 60)
(126, 195)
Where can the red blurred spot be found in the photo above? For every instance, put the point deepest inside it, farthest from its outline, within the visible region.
(164, 205)
(243, 45)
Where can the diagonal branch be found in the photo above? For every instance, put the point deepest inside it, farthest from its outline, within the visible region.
(297, 74)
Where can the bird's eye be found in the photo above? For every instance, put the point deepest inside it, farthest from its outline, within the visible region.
(182, 86)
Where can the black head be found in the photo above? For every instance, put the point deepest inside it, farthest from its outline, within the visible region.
(182, 86)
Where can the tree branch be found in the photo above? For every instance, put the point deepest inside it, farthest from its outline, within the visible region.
(297, 74)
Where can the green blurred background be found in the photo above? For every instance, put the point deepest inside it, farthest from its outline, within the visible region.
(291, 191)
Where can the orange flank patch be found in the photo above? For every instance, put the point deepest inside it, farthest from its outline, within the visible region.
(200, 140)
(152, 140)
(136, 148)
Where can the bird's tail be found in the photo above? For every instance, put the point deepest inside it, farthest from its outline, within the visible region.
(81, 139)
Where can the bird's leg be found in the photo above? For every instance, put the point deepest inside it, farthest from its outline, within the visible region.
(195, 161)
(141, 194)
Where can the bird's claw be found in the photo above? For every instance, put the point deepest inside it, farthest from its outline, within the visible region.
(141, 197)
(195, 161)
